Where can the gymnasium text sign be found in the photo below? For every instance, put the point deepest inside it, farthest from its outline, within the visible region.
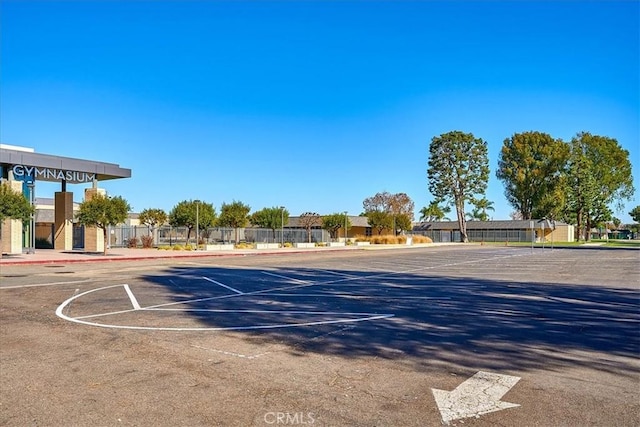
(22, 172)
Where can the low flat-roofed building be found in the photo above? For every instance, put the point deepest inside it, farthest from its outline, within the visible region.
(538, 230)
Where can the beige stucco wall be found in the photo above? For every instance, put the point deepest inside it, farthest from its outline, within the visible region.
(93, 236)
(63, 225)
(562, 233)
(11, 236)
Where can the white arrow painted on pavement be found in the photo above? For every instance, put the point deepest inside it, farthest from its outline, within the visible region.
(478, 395)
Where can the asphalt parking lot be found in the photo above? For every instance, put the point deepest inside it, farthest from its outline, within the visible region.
(472, 335)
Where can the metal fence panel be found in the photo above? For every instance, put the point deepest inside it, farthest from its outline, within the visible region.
(169, 236)
(479, 235)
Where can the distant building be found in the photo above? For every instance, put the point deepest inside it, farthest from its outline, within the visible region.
(359, 226)
(538, 230)
(477, 231)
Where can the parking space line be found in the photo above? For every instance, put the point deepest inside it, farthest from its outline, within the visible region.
(223, 285)
(337, 273)
(280, 276)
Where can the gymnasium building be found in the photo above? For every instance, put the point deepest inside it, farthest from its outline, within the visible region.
(22, 168)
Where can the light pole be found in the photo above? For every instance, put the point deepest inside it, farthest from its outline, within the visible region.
(197, 222)
(32, 220)
(282, 226)
(345, 228)
(544, 222)
(533, 234)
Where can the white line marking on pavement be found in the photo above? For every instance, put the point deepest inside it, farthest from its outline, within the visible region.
(229, 353)
(262, 292)
(79, 319)
(223, 285)
(357, 297)
(478, 395)
(284, 312)
(306, 283)
(134, 301)
(280, 276)
(337, 273)
(45, 284)
(61, 307)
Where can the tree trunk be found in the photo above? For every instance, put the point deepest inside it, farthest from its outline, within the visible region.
(587, 229)
(104, 241)
(578, 224)
(462, 224)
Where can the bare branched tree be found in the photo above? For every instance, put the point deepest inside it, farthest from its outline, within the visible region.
(308, 220)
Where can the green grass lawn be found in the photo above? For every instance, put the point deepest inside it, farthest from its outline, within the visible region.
(606, 243)
(623, 243)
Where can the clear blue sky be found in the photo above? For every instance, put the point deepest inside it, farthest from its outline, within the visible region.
(314, 105)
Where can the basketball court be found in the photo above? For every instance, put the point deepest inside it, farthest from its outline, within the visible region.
(340, 338)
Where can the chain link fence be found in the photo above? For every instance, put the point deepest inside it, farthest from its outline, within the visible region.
(481, 235)
(120, 236)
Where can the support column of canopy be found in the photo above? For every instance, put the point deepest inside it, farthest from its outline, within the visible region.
(11, 233)
(63, 225)
(93, 236)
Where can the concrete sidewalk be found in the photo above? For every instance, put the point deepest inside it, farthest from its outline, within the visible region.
(51, 256)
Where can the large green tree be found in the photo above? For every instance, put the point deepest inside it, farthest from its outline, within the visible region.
(188, 213)
(389, 211)
(481, 206)
(153, 218)
(475, 215)
(235, 215)
(402, 223)
(401, 208)
(101, 212)
(378, 212)
(635, 216)
(334, 222)
(379, 221)
(458, 171)
(599, 176)
(531, 166)
(13, 204)
(273, 218)
(434, 212)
